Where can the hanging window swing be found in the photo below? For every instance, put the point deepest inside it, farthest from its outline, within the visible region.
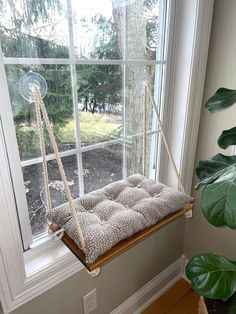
(102, 224)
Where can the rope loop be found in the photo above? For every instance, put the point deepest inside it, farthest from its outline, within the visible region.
(56, 235)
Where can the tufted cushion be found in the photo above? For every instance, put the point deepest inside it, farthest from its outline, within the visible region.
(117, 211)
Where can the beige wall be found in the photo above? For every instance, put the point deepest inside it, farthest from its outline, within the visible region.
(119, 279)
(221, 72)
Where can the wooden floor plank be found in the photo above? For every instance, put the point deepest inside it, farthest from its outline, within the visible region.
(188, 304)
(169, 298)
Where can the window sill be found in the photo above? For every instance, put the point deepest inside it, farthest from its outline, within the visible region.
(41, 258)
(46, 266)
(51, 260)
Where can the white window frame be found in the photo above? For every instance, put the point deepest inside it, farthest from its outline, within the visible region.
(24, 276)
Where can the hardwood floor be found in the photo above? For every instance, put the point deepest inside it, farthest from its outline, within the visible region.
(179, 299)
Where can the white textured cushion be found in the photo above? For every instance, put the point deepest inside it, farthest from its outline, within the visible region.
(117, 211)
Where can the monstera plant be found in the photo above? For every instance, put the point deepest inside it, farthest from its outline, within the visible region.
(212, 275)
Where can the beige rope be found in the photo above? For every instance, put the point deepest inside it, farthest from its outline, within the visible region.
(189, 213)
(43, 154)
(165, 139)
(40, 103)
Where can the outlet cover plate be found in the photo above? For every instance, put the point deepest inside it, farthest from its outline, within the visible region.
(90, 301)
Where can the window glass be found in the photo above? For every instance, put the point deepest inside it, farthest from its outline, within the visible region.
(136, 104)
(100, 103)
(142, 29)
(102, 166)
(138, 162)
(96, 33)
(58, 102)
(95, 57)
(35, 190)
(34, 29)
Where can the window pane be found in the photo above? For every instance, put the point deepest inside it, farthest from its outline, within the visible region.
(40, 29)
(36, 29)
(102, 166)
(138, 112)
(34, 186)
(135, 104)
(100, 34)
(111, 102)
(143, 20)
(58, 102)
(100, 103)
(96, 29)
(134, 155)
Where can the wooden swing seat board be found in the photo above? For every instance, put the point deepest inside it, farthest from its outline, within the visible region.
(116, 212)
(123, 245)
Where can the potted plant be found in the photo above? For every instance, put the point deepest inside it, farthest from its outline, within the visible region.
(214, 276)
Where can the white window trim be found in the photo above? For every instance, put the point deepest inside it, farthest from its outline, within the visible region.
(190, 46)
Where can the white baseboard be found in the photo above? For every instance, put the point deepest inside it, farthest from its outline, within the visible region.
(140, 300)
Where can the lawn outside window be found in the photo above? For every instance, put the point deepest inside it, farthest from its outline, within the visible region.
(95, 108)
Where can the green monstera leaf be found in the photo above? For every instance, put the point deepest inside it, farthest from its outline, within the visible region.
(218, 199)
(227, 138)
(209, 170)
(222, 99)
(212, 275)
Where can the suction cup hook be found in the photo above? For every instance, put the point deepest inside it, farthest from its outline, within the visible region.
(142, 80)
(27, 81)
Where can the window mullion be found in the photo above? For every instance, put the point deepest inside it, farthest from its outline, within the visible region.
(49, 157)
(71, 152)
(50, 61)
(172, 23)
(75, 95)
(158, 84)
(124, 84)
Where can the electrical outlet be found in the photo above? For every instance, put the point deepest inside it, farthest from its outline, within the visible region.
(90, 301)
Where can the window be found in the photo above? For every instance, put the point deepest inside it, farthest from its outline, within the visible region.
(93, 62)
(95, 58)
